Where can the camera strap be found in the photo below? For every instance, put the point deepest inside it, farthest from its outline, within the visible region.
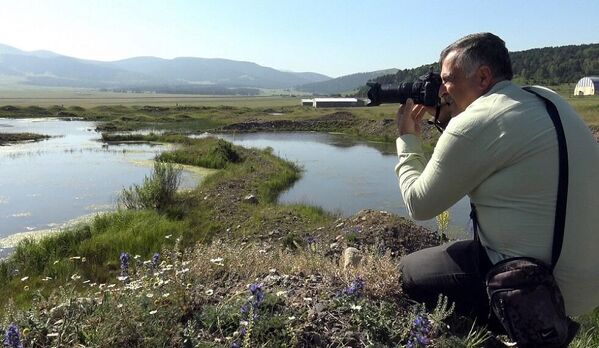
(435, 122)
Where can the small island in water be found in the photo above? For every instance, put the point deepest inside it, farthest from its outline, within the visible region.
(12, 138)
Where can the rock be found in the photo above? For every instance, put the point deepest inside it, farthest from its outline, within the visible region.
(250, 199)
(319, 308)
(84, 305)
(334, 246)
(351, 258)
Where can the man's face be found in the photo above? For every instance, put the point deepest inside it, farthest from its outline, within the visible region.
(462, 88)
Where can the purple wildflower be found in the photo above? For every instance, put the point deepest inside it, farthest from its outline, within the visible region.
(253, 303)
(235, 345)
(254, 288)
(420, 333)
(310, 240)
(355, 287)
(11, 337)
(256, 291)
(244, 308)
(155, 260)
(124, 265)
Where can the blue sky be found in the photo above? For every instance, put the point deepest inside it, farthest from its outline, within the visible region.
(329, 37)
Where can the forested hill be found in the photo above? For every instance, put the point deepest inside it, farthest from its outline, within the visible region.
(343, 83)
(555, 65)
(546, 66)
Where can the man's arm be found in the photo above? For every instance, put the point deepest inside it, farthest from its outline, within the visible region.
(457, 166)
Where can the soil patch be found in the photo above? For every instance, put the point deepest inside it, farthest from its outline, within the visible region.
(332, 122)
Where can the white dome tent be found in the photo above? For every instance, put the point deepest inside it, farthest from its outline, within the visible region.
(587, 86)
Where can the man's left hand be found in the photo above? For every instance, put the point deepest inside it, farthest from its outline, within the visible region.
(409, 117)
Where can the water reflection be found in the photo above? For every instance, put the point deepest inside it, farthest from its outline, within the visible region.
(342, 174)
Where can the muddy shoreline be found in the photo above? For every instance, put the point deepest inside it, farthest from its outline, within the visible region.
(343, 122)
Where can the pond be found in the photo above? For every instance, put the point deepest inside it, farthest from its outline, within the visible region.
(45, 184)
(343, 175)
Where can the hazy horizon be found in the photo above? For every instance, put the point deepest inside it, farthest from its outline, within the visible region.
(333, 38)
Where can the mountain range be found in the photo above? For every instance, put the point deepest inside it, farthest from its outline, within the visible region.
(178, 75)
(216, 76)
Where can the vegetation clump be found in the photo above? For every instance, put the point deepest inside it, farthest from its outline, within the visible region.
(11, 138)
(157, 191)
(216, 155)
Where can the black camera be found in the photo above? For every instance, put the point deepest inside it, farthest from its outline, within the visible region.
(424, 90)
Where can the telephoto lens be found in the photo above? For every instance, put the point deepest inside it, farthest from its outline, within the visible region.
(424, 90)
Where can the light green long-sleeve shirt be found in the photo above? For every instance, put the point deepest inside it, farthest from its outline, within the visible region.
(502, 152)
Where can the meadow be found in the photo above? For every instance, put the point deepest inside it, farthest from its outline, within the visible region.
(223, 265)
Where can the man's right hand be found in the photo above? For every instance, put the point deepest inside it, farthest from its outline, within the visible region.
(409, 117)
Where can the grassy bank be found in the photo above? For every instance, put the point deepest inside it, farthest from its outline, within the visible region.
(190, 217)
(224, 265)
(77, 286)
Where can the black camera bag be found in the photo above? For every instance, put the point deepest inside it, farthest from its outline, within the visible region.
(523, 292)
(527, 301)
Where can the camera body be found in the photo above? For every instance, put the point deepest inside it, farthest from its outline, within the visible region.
(424, 90)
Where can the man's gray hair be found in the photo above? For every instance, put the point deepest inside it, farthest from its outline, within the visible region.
(475, 50)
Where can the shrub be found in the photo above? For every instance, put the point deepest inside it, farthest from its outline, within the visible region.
(157, 191)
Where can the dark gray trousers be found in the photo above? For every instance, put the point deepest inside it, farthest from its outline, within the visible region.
(456, 269)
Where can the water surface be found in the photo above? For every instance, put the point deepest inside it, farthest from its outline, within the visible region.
(343, 175)
(45, 184)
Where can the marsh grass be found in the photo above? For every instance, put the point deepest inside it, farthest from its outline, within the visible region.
(157, 191)
(142, 230)
(69, 285)
(7, 138)
(215, 154)
(87, 251)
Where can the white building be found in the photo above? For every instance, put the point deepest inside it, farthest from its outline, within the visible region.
(336, 102)
(307, 102)
(587, 86)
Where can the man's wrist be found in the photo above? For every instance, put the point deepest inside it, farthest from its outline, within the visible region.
(409, 143)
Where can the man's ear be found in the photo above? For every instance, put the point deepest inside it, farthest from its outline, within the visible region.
(485, 78)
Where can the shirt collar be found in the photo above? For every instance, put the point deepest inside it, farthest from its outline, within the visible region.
(498, 86)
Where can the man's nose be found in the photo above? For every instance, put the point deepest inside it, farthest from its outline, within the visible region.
(442, 91)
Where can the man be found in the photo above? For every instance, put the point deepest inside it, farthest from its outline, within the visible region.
(501, 150)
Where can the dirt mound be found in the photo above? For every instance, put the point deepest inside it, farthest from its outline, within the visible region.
(383, 231)
(332, 122)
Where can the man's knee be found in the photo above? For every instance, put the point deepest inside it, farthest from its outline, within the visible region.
(410, 267)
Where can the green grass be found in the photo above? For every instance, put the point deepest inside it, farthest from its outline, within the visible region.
(226, 227)
(144, 232)
(215, 154)
(158, 190)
